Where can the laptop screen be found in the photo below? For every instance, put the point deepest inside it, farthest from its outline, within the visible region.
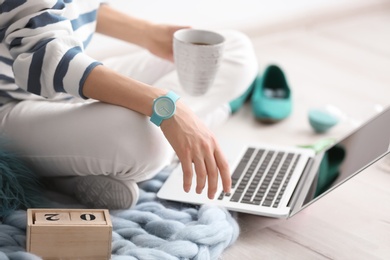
(352, 154)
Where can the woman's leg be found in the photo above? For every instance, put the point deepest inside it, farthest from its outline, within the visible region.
(84, 138)
(90, 139)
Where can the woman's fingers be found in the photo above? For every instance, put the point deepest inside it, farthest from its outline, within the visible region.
(212, 176)
(207, 168)
(186, 165)
(224, 170)
(201, 175)
(210, 167)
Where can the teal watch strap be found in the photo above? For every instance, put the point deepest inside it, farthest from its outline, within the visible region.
(156, 119)
(164, 107)
(173, 96)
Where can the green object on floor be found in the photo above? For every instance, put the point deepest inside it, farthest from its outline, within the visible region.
(271, 97)
(320, 145)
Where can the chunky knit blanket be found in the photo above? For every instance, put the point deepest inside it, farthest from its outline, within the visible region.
(154, 229)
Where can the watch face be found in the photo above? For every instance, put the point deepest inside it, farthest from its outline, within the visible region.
(164, 107)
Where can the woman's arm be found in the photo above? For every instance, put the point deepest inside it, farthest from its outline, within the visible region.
(192, 141)
(157, 38)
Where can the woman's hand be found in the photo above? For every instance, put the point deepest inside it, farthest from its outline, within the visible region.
(195, 144)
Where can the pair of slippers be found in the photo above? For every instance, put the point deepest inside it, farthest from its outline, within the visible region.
(270, 96)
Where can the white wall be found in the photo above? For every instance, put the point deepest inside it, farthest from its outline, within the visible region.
(254, 17)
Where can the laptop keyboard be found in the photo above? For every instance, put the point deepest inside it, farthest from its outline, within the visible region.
(261, 177)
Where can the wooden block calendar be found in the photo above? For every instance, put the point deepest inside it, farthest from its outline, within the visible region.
(69, 233)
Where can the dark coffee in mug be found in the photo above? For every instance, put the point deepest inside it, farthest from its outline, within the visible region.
(200, 43)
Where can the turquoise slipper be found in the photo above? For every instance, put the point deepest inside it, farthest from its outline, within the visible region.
(237, 103)
(271, 97)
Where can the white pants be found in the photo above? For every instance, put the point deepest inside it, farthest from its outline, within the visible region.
(86, 137)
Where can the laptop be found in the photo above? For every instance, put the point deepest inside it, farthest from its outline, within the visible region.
(278, 181)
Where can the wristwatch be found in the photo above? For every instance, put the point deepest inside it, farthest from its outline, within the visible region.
(164, 107)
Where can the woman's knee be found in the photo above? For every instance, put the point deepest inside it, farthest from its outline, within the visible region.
(239, 66)
(240, 53)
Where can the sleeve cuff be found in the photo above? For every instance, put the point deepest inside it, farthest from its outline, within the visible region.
(79, 69)
(85, 75)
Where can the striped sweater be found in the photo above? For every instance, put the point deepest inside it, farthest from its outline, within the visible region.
(42, 47)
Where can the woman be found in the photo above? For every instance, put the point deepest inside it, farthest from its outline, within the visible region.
(85, 123)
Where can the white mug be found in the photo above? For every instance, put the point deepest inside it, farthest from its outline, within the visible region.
(197, 56)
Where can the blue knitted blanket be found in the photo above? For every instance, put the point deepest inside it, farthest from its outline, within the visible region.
(153, 229)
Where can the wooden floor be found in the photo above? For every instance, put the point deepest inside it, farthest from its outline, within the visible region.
(343, 62)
